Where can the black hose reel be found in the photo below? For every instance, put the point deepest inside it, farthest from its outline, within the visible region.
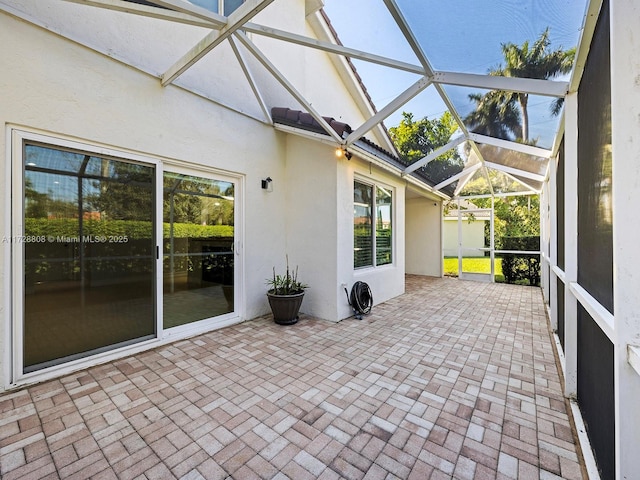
(361, 299)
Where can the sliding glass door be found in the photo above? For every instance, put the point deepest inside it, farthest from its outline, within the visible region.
(89, 254)
(197, 249)
(113, 249)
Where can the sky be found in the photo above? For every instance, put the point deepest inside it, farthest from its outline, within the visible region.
(456, 35)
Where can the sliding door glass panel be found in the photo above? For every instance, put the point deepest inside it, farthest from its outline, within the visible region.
(89, 255)
(198, 249)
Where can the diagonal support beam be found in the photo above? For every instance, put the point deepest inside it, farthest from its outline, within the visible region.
(252, 82)
(433, 155)
(463, 173)
(255, 51)
(518, 147)
(523, 183)
(406, 30)
(332, 48)
(237, 19)
(394, 105)
(515, 171)
(532, 86)
(467, 178)
(397, 15)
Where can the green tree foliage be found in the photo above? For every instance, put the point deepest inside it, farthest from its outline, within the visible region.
(525, 61)
(125, 191)
(191, 201)
(42, 205)
(494, 116)
(415, 139)
(516, 216)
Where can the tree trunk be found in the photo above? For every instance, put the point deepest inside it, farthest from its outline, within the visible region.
(524, 98)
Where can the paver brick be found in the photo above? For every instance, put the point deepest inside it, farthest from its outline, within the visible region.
(452, 380)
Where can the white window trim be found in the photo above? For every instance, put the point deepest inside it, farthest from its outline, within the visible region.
(376, 184)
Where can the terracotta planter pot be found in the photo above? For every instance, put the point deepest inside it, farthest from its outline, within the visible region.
(285, 308)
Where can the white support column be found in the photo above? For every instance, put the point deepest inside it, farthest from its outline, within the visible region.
(544, 242)
(492, 239)
(571, 245)
(459, 240)
(625, 126)
(553, 243)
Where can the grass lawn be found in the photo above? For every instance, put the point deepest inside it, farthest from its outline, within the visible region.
(473, 265)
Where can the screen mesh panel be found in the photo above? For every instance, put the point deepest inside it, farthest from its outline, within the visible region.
(595, 237)
(596, 391)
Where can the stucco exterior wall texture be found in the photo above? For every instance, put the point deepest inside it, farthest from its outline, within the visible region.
(472, 237)
(424, 237)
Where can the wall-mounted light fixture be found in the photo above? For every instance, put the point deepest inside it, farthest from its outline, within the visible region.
(267, 184)
(343, 152)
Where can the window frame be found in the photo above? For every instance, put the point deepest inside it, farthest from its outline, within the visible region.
(375, 186)
(220, 10)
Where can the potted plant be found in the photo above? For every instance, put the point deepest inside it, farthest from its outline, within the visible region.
(285, 296)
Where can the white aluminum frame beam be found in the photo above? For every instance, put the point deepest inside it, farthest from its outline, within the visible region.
(236, 20)
(548, 88)
(515, 171)
(435, 154)
(407, 32)
(523, 183)
(499, 195)
(584, 43)
(457, 176)
(518, 147)
(464, 182)
(512, 84)
(485, 172)
(331, 48)
(394, 105)
(252, 82)
(255, 51)
(397, 15)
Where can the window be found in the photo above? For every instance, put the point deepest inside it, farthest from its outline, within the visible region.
(371, 210)
(225, 7)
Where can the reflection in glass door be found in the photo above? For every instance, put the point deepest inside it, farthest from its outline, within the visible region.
(89, 255)
(198, 248)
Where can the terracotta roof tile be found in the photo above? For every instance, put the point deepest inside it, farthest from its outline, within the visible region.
(304, 121)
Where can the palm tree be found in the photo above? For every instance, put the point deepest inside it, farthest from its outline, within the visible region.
(533, 62)
(495, 116)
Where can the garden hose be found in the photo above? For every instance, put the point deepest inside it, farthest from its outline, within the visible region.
(361, 299)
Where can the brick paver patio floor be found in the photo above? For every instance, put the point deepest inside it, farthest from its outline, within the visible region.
(453, 379)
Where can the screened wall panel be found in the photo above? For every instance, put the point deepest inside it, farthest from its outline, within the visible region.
(596, 396)
(595, 223)
(560, 205)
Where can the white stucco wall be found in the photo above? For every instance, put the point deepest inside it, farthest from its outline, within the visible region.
(311, 204)
(472, 237)
(423, 237)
